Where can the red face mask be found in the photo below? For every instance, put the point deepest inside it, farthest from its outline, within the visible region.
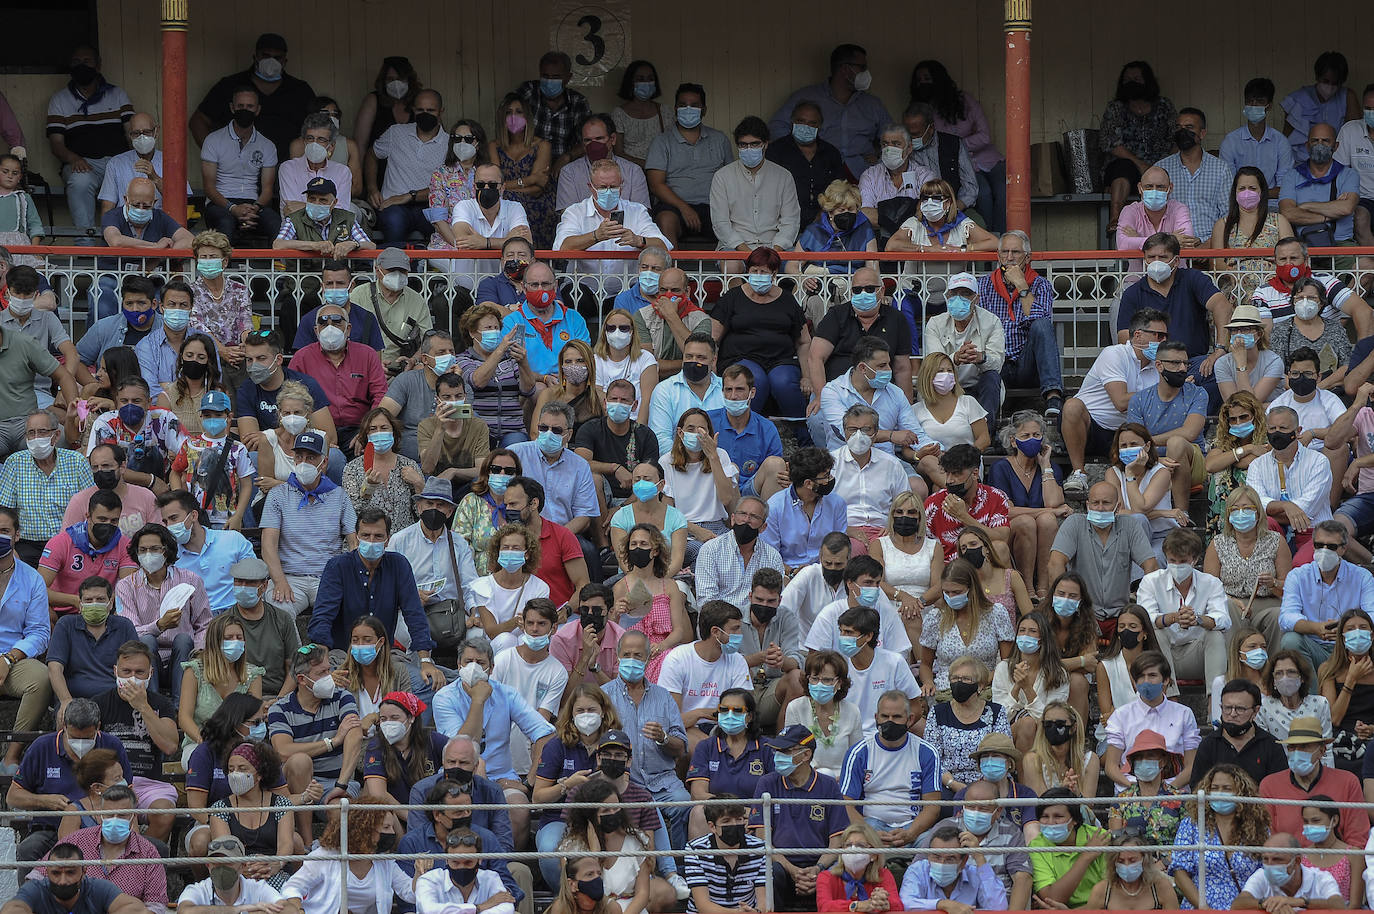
(596, 150)
(539, 298)
(1290, 273)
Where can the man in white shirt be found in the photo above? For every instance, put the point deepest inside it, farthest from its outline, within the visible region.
(874, 671)
(604, 221)
(1327, 426)
(863, 577)
(1293, 482)
(817, 586)
(1355, 149)
(753, 201)
(1284, 884)
(485, 222)
(1153, 677)
(413, 152)
(974, 340)
(144, 159)
(695, 674)
(1189, 609)
(530, 670)
(866, 478)
(227, 887)
(1092, 416)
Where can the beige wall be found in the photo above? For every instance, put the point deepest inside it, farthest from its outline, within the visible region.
(475, 50)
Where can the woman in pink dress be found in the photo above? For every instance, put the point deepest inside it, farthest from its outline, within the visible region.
(665, 623)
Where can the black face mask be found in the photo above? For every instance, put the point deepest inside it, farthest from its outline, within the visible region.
(1058, 733)
(962, 691)
(1128, 639)
(639, 557)
(744, 534)
(833, 576)
(460, 776)
(434, 519)
(891, 730)
(612, 768)
(514, 269)
(64, 892)
(957, 489)
(462, 875)
(608, 823)
(194, 370)
(763, 613)
(425, 122)
(1302, 387)
(84, 74)
(906, 526)
(823, 489)
(106, 479)
(464, 822)
(974, 556)
(386, 843)
(101, 533)
(488, 197)
(1234, 729)
(1185, 140)
(1280, 440)
(843, 221)
(596, 620)
(244, 118)
(732, 835)
(1174, 378)
(594, 889)
(695, 371)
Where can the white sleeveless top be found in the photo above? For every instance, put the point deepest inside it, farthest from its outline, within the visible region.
(908, 573)
(1160, 525)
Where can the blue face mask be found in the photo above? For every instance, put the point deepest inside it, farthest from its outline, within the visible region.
(645, 90)
(497, 483)
(1130, 872)
(1254, 113)
(1316, 834)
(1027, 645)
(760, 282)
(1057, 833)
(1369, 117)
(1129, 454)
(371, 550)
(645, 490)
(511, 560)
(993, 768)
(1276, 873)
(617, 412)
(549, 443)
(1101, 518)
(1031, 447)
(864, 301)
(1155, 199)
(731, 722)
(491, 339)
(956, 600)
(804, 133)
(608, 198)
(783, 764)
(1256, 659)
(944, 873)
(849, 646)
(1149, 691)
(736, 407)
(131, 415)
(179, 533)
(1302, 762)
(116, 831)
(317, 212)
(1243, 519)
(137, 319)
(648, 282)
(551, 88)
(691, 441)
(176, 319)
(959, 307)
(334, 297)
(381, 441)
(1152, 350)
(1064, 607)
(1221, 806)
(535, 642)
(364, 653)
(977, 821)
(1147, 769)
(1246, 339)
(245, 596)
(631, 670)
(688, 117)
(214, 426)
(735, 643)
(868, 596)
(232, 649)
(1242, 431)
(442, 363)
(881, 379)
(137, 215)
(1357, 640)
(209, 267)
(821, 693)
(751, 157)
(258, 731)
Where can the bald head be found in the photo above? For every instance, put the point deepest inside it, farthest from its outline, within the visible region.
(981, 790)
(865, 276)
(1102, 497)
(142, 121)
(1155, 176)
(1322, 132)
(1282, 840)
(672, 280)
(141, 192)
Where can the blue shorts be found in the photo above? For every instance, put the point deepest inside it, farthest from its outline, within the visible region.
(746, 489)
(1360, 510)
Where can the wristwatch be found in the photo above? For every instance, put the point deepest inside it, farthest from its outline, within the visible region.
(329, 744)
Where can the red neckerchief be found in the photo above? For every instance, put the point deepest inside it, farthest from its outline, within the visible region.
(545, 330)
(999, 282)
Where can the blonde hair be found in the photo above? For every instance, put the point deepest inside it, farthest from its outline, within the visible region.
(1044, 753)
(217, 240)
(603, 347)
(925, 378)
(904, 498)
(941, 186)
(873, 873)
(295, 390)
(961, 571)
(594, 404)
(839, 193)
(980, 669)
(1222, 437)
(1251, 498)
(216, 667)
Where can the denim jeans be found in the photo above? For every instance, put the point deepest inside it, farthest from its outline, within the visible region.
(1038, 359)
(992, 197)
(510, 438)
(545, 840)
(782, 383)
(988, 391)
(170, 673)
(398, 221)
(81, 190)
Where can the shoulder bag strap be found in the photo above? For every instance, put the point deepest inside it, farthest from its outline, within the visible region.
(457, 578)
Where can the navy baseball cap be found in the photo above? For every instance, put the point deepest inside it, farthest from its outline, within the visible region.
(321, 186)
(311, 441)
(793, 737)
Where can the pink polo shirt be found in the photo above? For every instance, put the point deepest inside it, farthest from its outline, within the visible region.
(354, 386)
(565, 644)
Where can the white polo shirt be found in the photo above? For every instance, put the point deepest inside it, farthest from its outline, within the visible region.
(1115, 363)
(239, 165)
(1323, 409)
(825, 630)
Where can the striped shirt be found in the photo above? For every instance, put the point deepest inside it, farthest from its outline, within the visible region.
(289, 719)
(728, 886)
(41, 498)
(310, 535)
(91, 127)
(500, 401)
(146, 882)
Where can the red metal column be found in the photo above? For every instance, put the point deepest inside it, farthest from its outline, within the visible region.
(1018, 79)
(175, 14)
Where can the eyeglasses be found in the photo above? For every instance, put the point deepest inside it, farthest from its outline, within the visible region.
(462, 840)
(325, 319)
(39, 433)
(940, 197)
(1309, 375)
(1236, 710)
(824, 680)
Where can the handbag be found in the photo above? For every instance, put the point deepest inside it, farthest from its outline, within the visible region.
(448, 619)
(1083, 160)
(1321, 234)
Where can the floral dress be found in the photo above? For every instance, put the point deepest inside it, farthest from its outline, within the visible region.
(539, 209)
(208, 698)
(477, 519)
(955, 740)
(448, 187)
(1219, 488)
(1226, 871)
(1252, 270)
(949, 646)
(227, 318)
(1149, 137)
(393, 496)
(1340, 871)
(1158, 818)
(656, 625)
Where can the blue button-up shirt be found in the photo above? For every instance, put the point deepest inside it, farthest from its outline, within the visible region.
(1271, 153)
(750, 448)
(219, 552)
(894, 412)
(851, 127)
(977, 886)
(157, 359)
(24, 612)
(796, 536)
(348, 591)
(648, 763)
(504, 709)
(568, 487)
(484, 793)
(565, 324)
(421, 840)
(107, 333)
(1300, 187)
(672, 398)
(1307, 596)
(631, 299)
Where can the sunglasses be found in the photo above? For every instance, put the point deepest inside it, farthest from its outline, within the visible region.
(487, 185)
(259, 334)
(325, 319)
(464, 138)
(306, 648)
(867, 288)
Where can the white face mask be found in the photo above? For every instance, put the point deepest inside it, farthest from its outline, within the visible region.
(332, 338)
(323, 688)
(1159, 270)
(393, 730)
(315, 153)
(397, 88)
(240, 782)
(1180, 571)
(859, 444)
(855, 862)
(472, 673)
(587, 722)
(152, 562)
(1326, 559)
(40, 448)
(131, 681)
(294, 425)
(394, 280)
(306, 473)
(933, 209)
(144, 144)
(863, 80)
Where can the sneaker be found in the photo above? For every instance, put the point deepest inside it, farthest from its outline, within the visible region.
(1076, 484)
(1053, 407)
(679, 886)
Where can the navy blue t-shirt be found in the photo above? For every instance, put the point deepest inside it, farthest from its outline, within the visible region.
(258, 403)
(161, 226)
(362, 328)
(499, 289)
(1186, 306)
(95, 897)
(46, 768)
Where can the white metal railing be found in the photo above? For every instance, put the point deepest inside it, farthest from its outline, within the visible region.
(1200, 846)
(283, 284)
